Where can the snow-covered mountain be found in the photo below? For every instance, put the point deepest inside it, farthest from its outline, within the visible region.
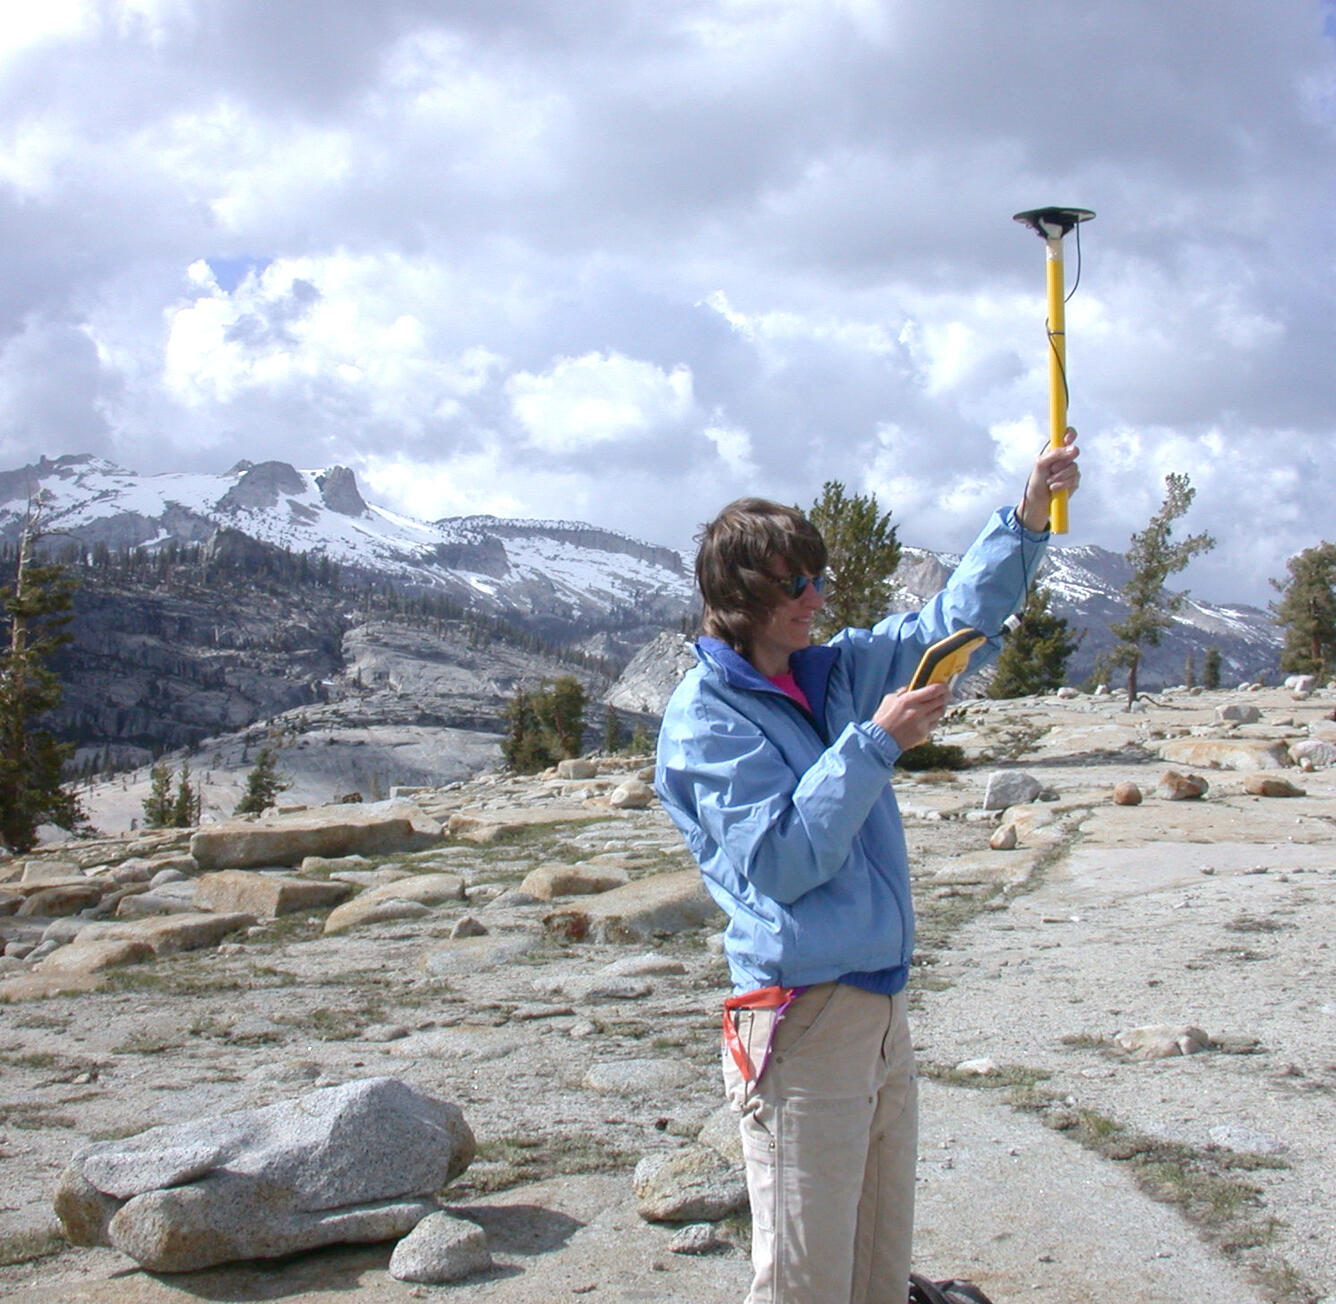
(1086, 582)
(562, 575)
(572, 582)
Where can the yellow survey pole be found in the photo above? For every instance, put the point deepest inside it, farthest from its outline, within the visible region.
(1052, 224)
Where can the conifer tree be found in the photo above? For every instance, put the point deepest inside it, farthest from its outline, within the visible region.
(1210, 669)
(1153, 557)
(561, 709)
(263, 784)
(1307, 611)
(863, 552)
(158, 805)
(37, 610)
(545, 726)
(187, 802)
(612, 730)
(1034, 655)
(522, 746)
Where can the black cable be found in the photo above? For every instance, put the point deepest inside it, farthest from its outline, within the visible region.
(1077, 281)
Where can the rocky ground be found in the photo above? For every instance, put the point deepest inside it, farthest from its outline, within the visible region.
(1057, 1164)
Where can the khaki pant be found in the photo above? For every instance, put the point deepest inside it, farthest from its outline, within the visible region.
(830, 1136)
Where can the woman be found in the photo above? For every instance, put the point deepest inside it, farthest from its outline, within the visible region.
(774, 759)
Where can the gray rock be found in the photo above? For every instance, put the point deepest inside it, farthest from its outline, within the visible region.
(1174, 786)
(660, 904)
(693, 1184)
(331, 832)
(1238, 714)
(350, 1163)
(594, 987)
(267, 895)
(441, 1248)
(634, 794)
(1161, 1041)
(554, 880)
(1010, 788)
(698, 1238)
(575, 768)
(634, 1076)
(1317, 752)
(1226, 753)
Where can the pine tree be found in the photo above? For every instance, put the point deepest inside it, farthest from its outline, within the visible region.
(561, 709)
(37, 608)
(1210, 670)
(545, 726)
(263, 784)
(187, 802)
(862, 554)
(522, 747)
(1153, 557)
(612, 731)
(1034, 656)
(158, 805)
(1307, 611)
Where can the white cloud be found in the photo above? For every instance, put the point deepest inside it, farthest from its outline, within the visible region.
(631, 260)
(579, 403)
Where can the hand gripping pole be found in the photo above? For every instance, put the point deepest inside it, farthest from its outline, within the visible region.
(1051, 224)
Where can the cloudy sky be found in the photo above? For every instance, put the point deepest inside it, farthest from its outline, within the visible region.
(623, 260)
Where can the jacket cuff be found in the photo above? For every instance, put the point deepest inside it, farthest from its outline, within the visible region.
(1013, 523)
(882, 743)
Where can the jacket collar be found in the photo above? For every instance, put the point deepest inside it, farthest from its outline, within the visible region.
(811, 667)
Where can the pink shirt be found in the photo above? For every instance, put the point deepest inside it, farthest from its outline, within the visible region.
(786, 683)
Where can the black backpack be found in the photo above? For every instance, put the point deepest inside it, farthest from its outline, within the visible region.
(923, 1291)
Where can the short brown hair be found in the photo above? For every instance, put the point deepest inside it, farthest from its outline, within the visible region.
(734, 557)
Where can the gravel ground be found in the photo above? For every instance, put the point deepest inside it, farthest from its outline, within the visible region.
(1070, 1173)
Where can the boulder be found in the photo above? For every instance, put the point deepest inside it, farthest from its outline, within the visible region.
(1313, 753)
(1004, 839)
(1127, 794)
(352, 1163)
(441, 1248)
(576, 768)
(1162, 1040)
(639, 1077)
(267, 895)
(330, 832)
(634, 794)
(1174, 786)
(548, 881)
(404, 898)
(1235, 713)
(1010, 788)
(1226, 753)
(484, 826)
(693, 1184)
(657, 905)
(94, 956)
(170, 934)
(1270, 785)
(67, 898)
(50, 871)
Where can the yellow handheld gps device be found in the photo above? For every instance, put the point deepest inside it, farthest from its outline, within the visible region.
(947, 658)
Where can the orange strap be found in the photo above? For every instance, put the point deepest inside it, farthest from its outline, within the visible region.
(763, 998)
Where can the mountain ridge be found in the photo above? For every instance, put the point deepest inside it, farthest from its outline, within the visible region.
(570, 582)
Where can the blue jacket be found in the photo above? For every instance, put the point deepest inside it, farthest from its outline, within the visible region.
(791, 816)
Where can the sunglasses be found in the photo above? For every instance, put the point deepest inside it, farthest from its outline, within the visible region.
(794, 586)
